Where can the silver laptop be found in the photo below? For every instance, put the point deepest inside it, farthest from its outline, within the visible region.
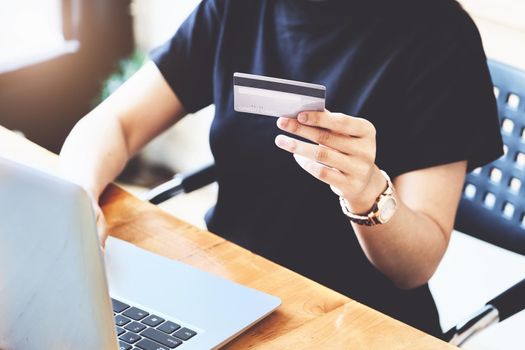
(54, 294)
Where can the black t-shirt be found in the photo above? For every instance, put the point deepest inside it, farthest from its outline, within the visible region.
(416, 69)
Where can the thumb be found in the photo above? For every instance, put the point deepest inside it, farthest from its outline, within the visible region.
(102, 229)
(100, 222)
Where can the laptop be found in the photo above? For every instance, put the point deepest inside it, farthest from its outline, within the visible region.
(58, 291)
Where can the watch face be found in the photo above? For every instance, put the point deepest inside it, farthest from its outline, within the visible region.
(388, 208)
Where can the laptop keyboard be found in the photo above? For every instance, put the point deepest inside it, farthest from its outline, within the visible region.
(137, 329)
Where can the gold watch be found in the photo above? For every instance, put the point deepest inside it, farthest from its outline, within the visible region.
(381, 212)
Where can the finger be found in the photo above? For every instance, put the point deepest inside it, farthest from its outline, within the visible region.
(319, 154)
(338, 122)
(102, 230)
(340, 142)
(321, 172)
(336, 191)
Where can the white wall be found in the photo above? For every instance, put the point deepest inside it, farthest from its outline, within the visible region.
(155, 21)
(502, 27)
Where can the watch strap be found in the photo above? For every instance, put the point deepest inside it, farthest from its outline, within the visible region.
(370, 218)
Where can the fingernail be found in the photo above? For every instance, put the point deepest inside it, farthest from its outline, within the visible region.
(299, 159)
(302, 117)
(282, 141)
(282, 122)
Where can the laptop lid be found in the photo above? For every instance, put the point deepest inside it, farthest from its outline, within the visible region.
(53, 284)
(53, 289)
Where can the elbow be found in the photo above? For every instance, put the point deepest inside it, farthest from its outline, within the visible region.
(407, 284)
(420, 273)
(413, 279)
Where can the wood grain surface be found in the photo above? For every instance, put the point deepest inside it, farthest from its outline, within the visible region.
(311, 315)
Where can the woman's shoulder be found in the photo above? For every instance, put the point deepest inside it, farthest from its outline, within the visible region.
(232, 5)
(440, 24)
(232, 10)
(445, 16)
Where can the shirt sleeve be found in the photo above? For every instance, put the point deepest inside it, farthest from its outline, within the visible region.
(451, 112)
(186, 60)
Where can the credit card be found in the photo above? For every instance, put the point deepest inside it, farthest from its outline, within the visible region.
(275, 97)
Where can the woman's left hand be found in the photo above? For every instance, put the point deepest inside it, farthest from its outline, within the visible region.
(343, 155)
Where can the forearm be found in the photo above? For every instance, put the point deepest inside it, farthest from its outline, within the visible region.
(94, 153)
(407, 249)
(410, 245)
(102, 142)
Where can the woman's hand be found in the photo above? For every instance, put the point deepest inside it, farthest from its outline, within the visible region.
(343, 155)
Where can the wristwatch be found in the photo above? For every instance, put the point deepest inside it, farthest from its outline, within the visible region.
(381, 212)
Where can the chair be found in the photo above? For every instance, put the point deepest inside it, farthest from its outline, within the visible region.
(181, 183)
(492, 206)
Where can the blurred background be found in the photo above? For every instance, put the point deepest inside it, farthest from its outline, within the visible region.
(59, 58)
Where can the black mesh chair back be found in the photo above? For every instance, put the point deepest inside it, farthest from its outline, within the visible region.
(492, 207)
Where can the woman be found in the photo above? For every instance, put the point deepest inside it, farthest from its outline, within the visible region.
(412, 98)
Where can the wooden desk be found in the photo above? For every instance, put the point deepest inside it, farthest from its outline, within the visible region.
(311, 316)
